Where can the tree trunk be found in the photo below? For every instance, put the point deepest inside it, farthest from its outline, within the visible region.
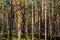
(11, 19)
(26, 16)
(26, 24)
(50, 23)
(45, 20)
(2, 20)
(7, 23)
(57, 16)
(39, 9)
(32, 20)
(18, 20)
(42, 9)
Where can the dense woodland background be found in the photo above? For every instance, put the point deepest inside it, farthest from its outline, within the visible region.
(29, 19)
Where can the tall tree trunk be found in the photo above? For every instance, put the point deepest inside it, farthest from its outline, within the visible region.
(39, 9)
(57, 16)
(11, 18)
(50, 23)
(53, 21)
(26, 16)
(7, 23)
(15, 17)
(2, 19)
(42, 9)
(42, 14)
(32, 20)
(23, 16)
(12, 14)
(45, 20)
(35, 7)
(18, 20)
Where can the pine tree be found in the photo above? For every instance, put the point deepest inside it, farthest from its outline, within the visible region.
(39, 12)
(11, 19)
(26, 2)
(45, 19)
(50, 22)
(57, 16)
(32, 20)
(2, 32)
(18, 20)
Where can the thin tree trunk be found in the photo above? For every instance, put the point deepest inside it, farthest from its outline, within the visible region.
(42, 13)
(42, 9)
(12, 2)
(53, 11)
(32, 20)
(7, 23)
(26, 16)
(18, 20)
(15, 17)
(45, 20)
(50, 23)
(2, 19)
(39, 8)
(11, 18)
(26, 24)
(23, 17)
(57, 20)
